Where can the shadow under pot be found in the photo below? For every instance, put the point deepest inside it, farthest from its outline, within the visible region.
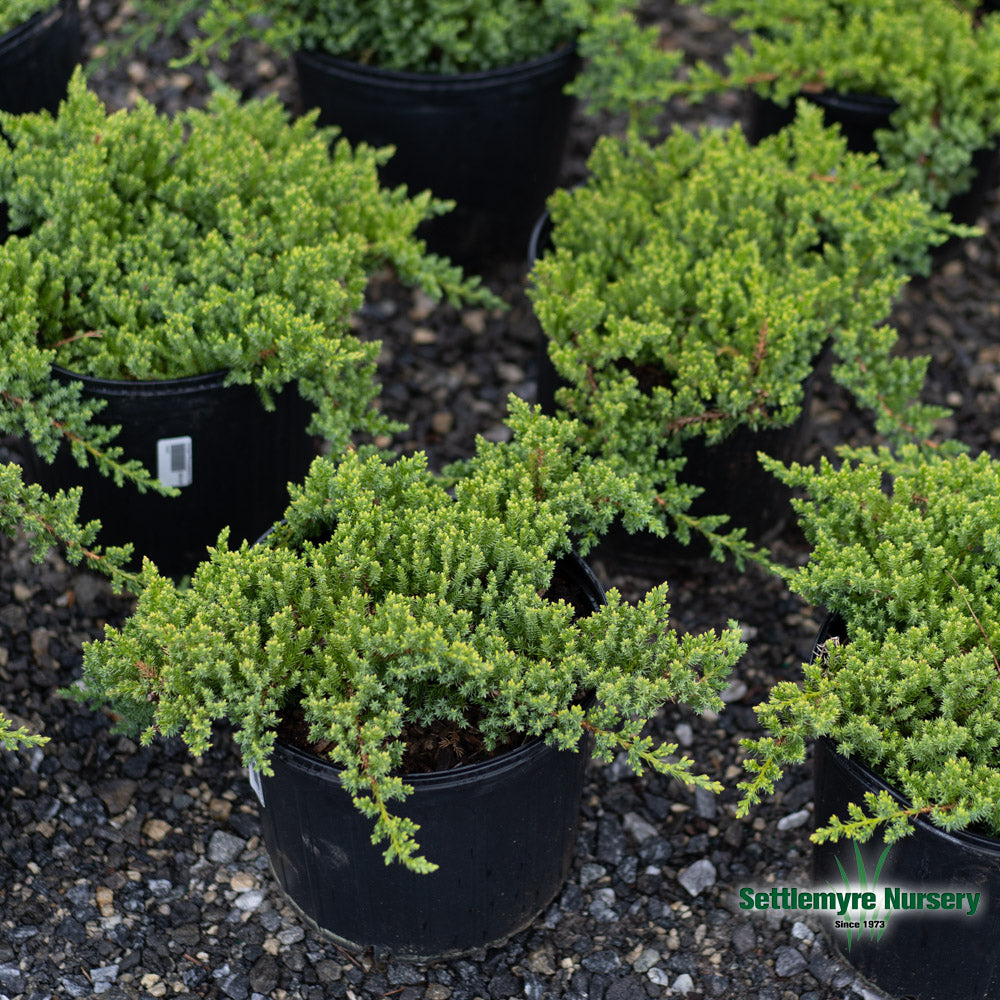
(923, 951)
(729, 473)
(859, 117)
(492, 141)
(501, 830)
(230, 458)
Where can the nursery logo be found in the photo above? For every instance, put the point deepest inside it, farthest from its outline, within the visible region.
(863, 906)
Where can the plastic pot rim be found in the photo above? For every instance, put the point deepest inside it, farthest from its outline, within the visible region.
(35, 25)
(519, 756)
(851, 101)
(431, 83)
(108, 388)
(540, 231)
(455, 777)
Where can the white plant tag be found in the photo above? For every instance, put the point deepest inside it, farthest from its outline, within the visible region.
(256, 785)
(173, 461)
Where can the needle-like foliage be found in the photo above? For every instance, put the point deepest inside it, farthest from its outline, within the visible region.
(935, 58)
(48, 520)
(222, 240)
(905, 549)
(385, 598)
(14, 13)
(431, 36)
(691, 288)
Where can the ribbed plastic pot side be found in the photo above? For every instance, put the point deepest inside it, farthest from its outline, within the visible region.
(230, 458)
(492, 141)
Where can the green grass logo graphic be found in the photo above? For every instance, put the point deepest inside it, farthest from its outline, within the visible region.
(874, 922)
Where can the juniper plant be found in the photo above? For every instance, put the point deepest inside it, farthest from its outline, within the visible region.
(48, 520)
(16, 12)
(226, 239)
(385, 599)
(429, 36)
(692, 285)
(905, 549)
(934, 58)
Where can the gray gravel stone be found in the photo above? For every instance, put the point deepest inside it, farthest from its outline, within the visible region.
(611, 842)
(641, 829)
(698, 877)
(794, 820)
(706, 803)
(160, 887)
(604, 962)
(591, 873)
(683, 984)
(646, 960)
(602, 908)
(75, 986)
(224, 848)
(823, 966)
(404, 975)
(744, 939)
(734, 692)
(104, 978)
(291, 935)
(788, 961)
(235, 986)
(629, 988)
(504, 984)
(658, 977)
(802, 932)
(249, 900)
(11, 978)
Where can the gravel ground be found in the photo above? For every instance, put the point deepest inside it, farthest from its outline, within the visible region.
(129, 872)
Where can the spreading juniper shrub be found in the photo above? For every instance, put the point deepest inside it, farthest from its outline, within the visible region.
(623, 59)
(229, 239)
(934, 59)
(387, 600)
(905, 549)
(693, 284)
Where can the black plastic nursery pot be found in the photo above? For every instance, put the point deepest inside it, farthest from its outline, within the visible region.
(492, 141)
(729, 473)
(920, 953)
(230, 458)
(37, 59)
(859, 116)
(502, 831)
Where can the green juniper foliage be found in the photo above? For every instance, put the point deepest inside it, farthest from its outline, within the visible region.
(48, 520)
(425, 36)
(693, 285)
(905, 549)
(19, 738)
(935, 58)
(225, 239)
(386, 599)
(16, 12)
